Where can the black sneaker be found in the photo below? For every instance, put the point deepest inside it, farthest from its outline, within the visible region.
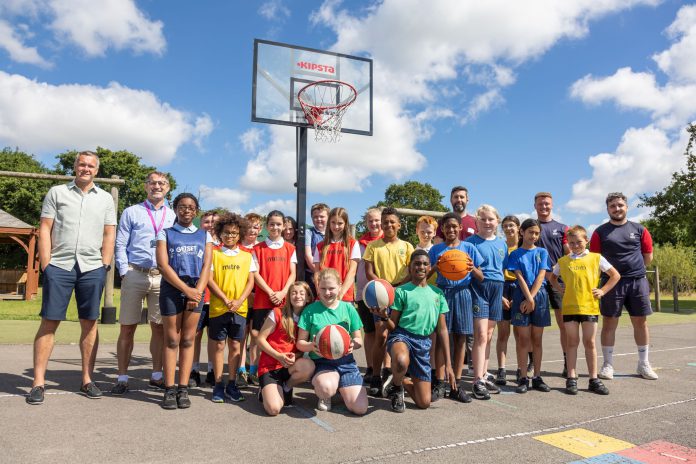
(397, 398)
(169, 400)
(120, 389)
(480, 391)
(571, 386)
(182, 398)
(367, 378)
(518, 375)
(36, 395)
(538, 384)
(500, 377)
(522, 385)
(210, 378)
(598, 387)
(194, 379)
(387, 378)
(375, 387)
(438, 390)
(287, 396)
(491, 387)
(460, 394)
(157, 384)
(91, 391)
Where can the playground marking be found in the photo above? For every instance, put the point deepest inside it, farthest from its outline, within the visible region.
(609, 458)
(584, 442)
(661, 452)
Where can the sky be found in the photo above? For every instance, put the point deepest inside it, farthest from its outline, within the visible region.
(508, 98)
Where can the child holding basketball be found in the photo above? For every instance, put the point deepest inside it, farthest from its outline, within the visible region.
(459, 300)
(230, 284)
(530, 307)
(184, 255)
(418, 312)
(339, 251)
(511, 229)
(487, 296)
(580, 272)
(280, 368)
(342, 374)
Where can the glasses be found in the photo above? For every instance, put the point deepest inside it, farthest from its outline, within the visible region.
(159, 183)
(229, 234)
(186, 208)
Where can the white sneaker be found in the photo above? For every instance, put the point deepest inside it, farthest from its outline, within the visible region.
(645, 371)
(488, 377)
(324, 404)
(607, 372)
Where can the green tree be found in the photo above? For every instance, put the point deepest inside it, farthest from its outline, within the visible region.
(22, 197)
(673, 219)
(675, 261)
(124, 164)
(414, 195)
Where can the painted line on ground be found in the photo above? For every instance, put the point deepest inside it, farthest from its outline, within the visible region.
(431, 449)
(311, 416)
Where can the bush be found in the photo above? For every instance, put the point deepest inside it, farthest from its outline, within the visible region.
(675, 260)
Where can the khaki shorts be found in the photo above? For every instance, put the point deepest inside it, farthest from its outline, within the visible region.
(137, 286)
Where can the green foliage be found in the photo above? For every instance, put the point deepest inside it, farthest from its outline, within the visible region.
(675, 260)
(673, 219)
(413, 195)
(121, 163)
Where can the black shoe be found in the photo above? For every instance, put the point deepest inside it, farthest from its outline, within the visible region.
(438, 391)
(287, 396)
(460, 394)
(367, 378)
(491, 387)
(120, 389)
(500, 377)
(36, 395)
(158, 384)
(387, 378)
(397, 398)
(375, 387)
(194, 379)
(518, 375)
(210, 378)
(598, 387)
(480, 391)
(522, 385)
(91, 391)
(182, 398)
(571, 386)
(538, 384)
(169, 400)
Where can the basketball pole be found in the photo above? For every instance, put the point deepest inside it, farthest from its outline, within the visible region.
(301, 185)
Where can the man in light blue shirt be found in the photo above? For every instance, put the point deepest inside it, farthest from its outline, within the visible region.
(140, 278)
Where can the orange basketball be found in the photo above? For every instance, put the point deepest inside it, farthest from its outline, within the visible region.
(453, 264)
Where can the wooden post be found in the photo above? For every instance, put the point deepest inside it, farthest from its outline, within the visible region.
(32, 287)
(109, 310)
(658, 303)
(675, 293)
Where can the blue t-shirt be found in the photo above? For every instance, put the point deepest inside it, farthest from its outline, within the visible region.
(495, 256)
(437, 250)
(529, 263)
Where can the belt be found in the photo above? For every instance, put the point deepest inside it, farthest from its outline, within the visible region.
(144, 270)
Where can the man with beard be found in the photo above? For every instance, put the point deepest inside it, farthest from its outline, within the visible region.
(628, 247)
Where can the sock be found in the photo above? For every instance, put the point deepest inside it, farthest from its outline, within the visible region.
(608, 352)
(253, 370)
(156, 375)
(122, 379)
(182, 387)
(210, 366)
(241, 370)
(643, 354)
(531, 357)
(564, 358)
(194, 367)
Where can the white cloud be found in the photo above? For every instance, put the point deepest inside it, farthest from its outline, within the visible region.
(40, 117)
(274, 10)
(678, 61)
(483, 103)
(12, 41)
(251, 140)
(223, 197)
(288, 207)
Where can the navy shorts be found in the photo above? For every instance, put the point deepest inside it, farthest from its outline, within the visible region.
(509, 288)
(487, 299)
(58, 285)
(228, 325)
(347, 368)
(540, 317)
(366, 317)
(418, 352)
(632, 293)
(459, 318)
(258, 317)
(555, 298)
(204, 321)
(172, 301)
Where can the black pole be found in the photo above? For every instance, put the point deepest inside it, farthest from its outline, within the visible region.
(301, 185)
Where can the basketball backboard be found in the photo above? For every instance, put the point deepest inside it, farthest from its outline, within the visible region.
(281, 70)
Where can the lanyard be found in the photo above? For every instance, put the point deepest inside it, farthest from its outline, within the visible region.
(152, 218)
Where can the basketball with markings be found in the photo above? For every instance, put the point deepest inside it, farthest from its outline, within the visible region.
(378, 293)
(454, 264)
(333, 341)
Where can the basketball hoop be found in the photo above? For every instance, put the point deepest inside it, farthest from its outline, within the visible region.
(324, 103)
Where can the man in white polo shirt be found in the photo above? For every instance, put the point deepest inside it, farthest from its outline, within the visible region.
(76, 245)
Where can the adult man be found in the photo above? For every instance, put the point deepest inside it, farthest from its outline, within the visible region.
(628, 247)
(553, 238)
(459, 199)
(76, 242)
(140, 278)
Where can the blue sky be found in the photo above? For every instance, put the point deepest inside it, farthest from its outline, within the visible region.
(576, 97)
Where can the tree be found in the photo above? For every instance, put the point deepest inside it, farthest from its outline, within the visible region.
(673, 219)
(122, 163)
(413, 195)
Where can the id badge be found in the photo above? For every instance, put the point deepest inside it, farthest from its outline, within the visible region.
(153, 243)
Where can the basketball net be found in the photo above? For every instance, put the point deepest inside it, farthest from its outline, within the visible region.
(324, 103)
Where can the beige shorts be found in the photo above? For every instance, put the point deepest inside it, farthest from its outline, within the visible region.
(137, 286)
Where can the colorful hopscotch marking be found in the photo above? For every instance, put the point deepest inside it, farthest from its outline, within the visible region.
(610, 458)
(584, 442)
(661, 452)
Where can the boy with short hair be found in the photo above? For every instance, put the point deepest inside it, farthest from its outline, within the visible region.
(315, 235)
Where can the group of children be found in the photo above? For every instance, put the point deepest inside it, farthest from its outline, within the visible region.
(417, 346)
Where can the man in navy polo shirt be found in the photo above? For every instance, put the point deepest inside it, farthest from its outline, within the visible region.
(628, 247)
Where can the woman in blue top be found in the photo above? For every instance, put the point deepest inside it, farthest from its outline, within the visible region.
(184, 256)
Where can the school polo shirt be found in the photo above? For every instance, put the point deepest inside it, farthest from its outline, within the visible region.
(420, 307)
(623, 246)
(552, 238)
(316, 316)
(389, 259)
(78, 225)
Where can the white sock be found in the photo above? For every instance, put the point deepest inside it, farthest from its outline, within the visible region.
(643, 354)
(210, 366)
(608, 352)
(156, 375)
(194, 367)
(122, 378)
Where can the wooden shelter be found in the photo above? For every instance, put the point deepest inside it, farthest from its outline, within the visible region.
(19, 284)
